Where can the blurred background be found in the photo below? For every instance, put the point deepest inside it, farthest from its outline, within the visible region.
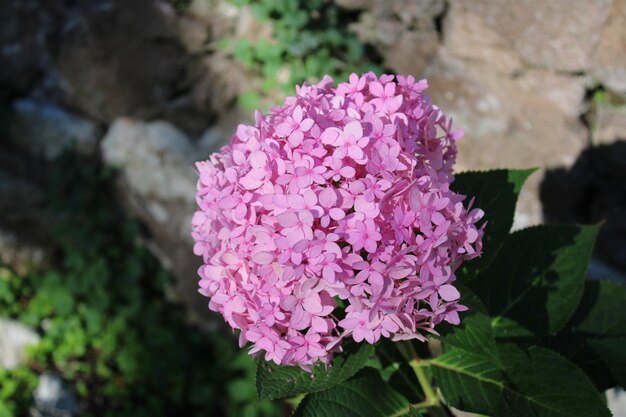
(106, 104)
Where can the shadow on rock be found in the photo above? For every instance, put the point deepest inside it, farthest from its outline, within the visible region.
(592, 191)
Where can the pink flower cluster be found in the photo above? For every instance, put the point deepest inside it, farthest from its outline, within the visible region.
(340, 196)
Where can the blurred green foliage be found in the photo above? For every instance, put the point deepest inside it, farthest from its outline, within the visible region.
(106, 326)
(310, 38)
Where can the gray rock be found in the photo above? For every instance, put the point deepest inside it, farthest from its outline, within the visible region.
(609, 124)
(467, 35)
(411, 52)
(23, 30)
(221, 133)
(155, 159)
(609, 59)
(52, 398)
(20, 255)
(522, 122)
(14, 338)
(557, 34)
(158, 185)
(137, 64)
(193, 34)
(616, 400)
(402, 31)
(47, 130)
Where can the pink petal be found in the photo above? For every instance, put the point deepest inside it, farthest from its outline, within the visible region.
(296, 137)
(312, 304)
(336, 213)
(329, 136)
(306, 125)
(453, 318)
(449, 292)
(376, 89)
(262, 258)
(258, 159)
(284, 129)
(289, 303)
(347, 172)
(354, 129)
(287, 219)
(250, 183)
(348, 323)
(297, 114)
(305, 217)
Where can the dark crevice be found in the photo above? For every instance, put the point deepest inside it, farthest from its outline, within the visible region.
(439, 20)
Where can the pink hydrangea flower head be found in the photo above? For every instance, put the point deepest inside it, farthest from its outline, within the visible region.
(340, 194)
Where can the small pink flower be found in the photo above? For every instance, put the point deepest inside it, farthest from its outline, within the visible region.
(350, 142)
(385, 100)
(355, 85)
(364, 236)
(297, 226)
(294, 127)
(308, 171)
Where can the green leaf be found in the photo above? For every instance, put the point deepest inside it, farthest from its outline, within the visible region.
(612, 350)
(396, 356)
(495, 192)
(474, 334)
(543, 383)
(595, 336)
(534, 286)
(469, 381)
(273, 381)
(537, 383)
(364, 395)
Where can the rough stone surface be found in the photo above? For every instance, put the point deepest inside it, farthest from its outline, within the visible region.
(155, 158)
(52, 398)
(158, 184)
(616, 401)
(47, 130)
(467, 36)
(557, 34)
(14, 338)
(515, 122)
(512, 122)
(402, 31)
(137, 66)
(221, 133)
(23, 31)
(609, 59)
(609, 124)
(20, 255)
(193, 34)
(412, 51)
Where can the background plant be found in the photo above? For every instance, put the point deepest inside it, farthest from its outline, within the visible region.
(309, 39)
(106, 325)
(538, 340)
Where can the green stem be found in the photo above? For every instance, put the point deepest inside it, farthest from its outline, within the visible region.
(431, 400)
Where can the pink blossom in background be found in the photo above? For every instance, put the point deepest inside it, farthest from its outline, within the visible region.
(340, 194)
